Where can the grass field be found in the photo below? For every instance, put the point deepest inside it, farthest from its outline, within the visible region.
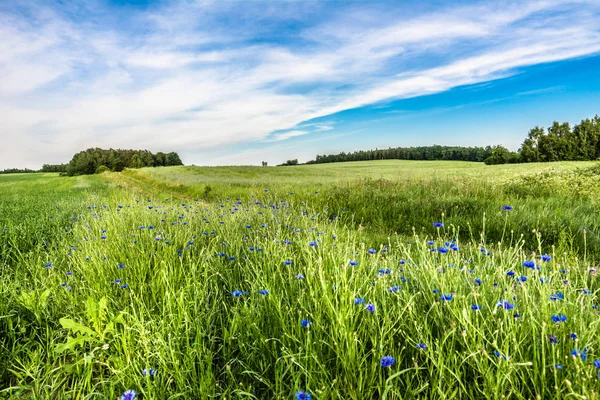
(326, 280)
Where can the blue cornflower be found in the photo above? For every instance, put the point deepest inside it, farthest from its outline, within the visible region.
(288, 262)
(394, 289)
(237, 293)
(507, 208)
(438, 224)
(353, 263)
(359, 301)
(299, 276)
(313, 244)
(558, 366)
(300, 395)
(305, 323)
(446, 297)
(402, 262)
(557, 296)
(523, 278)
(372, 251)
(124, 286)
(475, 307)
(128, 395)
(559, 318)
(553, 339)
(430, 243)
(149, 371)
(506, 305)
(120, 266)
(498, 354)
(529, 264)
(421, 346)
(597, 363)
(546, 257)
(478, 282)
(443, 250)
(573, 336)
(387, 361)
(510, 273)
(581, 354)
(264, 292)
(370, 307)
(48, 265)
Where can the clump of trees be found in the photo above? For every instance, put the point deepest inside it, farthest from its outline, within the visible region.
(289, 162)
(434, 152)
(17, 171)
(95, 160)
(563, 143)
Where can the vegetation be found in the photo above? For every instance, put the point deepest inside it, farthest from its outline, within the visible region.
(558, 143)
(286, 281)
(97, 160)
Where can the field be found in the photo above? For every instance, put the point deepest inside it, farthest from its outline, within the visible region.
(370, 280)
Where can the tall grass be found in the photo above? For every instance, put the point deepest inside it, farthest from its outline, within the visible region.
(131, 282)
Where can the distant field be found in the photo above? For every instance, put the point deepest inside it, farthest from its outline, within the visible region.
(259, 283)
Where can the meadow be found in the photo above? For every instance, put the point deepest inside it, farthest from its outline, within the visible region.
(367, 280)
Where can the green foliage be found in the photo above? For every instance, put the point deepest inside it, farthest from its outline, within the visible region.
(97, 160)
(431, 153)
(87, 335)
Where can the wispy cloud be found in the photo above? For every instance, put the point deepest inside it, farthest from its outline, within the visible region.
(125, 78)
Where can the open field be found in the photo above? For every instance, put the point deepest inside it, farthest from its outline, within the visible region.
(234, 282)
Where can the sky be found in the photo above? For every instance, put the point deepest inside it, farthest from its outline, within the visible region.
(230, 82)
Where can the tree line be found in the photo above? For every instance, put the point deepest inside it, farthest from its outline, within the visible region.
(559, 142)
(96, 160)
(435, 152)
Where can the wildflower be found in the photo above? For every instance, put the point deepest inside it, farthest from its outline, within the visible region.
(128, 395)
(523, 278)
(305, 323)
(421, 346)
(573, 336)
(370, 307)
(359, 301)
(507, 208)
(353, 263)
(394, 289)
(516, 315)
(48, 265)
(597, 364)
(372, 251)
(557, 296)
(559, 318)
(529, 264)
(446, 297)
(478, 282)
(498, 354)
(288, 262)
(506, 305)
(149, 371)
(443, 250)
(438, 224)
(237, 293)
(475, 307)
(510, 273)
(387, 361)
(105, 346)
(553, 339)
(430, 243)
(124, 286)
(581, 354)
(558, 366)
(300, 395)
(546, 257)
(120, 266)
(299, 277)
(264, 292)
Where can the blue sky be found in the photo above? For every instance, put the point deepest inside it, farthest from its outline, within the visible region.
(239, 82)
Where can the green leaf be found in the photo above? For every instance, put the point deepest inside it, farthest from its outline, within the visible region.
(76, 327)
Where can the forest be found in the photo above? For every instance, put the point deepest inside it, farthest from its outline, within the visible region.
(559, 142)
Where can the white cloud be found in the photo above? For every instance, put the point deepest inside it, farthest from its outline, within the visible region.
(189, 83)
